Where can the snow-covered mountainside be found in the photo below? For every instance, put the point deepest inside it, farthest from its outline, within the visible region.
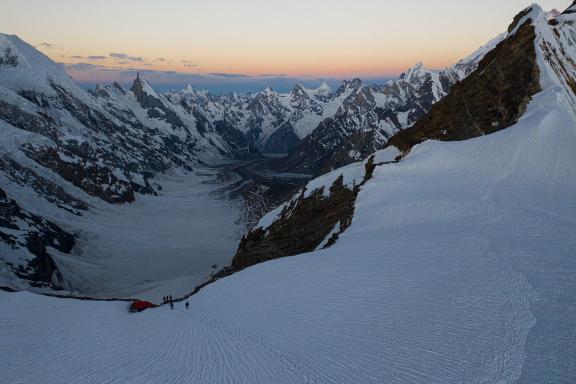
(67, 157)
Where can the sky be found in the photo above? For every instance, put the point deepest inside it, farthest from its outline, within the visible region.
(242, 45)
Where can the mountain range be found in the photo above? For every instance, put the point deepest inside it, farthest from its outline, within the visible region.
(66, 152)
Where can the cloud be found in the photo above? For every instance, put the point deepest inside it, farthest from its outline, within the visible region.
(125, 56)
(229, 75)
(83, 66)
(76, 57)
(189, 64)
(49, 46)
(92, 67)
(96, 57)
(160, 59)
(273, 75)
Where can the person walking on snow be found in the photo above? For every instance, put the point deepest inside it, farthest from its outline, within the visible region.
(187, 305)
(171, 305)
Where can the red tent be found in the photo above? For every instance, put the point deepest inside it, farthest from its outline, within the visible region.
(140, 305)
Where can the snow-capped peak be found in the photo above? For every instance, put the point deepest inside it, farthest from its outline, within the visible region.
(534, 13)
(417, 71)
(299, 89)
(552, 14)
(323, 90)
(24, 67)
(268, 91)
(189, 89)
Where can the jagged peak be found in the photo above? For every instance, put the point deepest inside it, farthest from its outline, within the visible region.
(299, 89)
(356, 82)
(140, 85)
(533, 12)
(552, 14)
(324, 87)
(416, 70)
(118, 87)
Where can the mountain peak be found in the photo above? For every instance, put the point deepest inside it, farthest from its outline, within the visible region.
(354, 83)
(118, 87)
(144, 92)
(533, 12)
(189, 89)
(140, 85)
(324, 90)
(324, 87)
(552, 14)
(22, 66)
(298, 89)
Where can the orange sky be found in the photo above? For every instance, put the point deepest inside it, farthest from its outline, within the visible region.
(299, 38)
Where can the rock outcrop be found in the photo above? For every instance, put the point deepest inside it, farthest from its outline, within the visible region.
(491, 99)
(310, 220)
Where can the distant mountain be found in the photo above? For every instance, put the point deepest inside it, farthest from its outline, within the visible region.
(321, 128)
(369, 115)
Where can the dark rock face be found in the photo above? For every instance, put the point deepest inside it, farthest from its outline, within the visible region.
(89, 176)
(42, 125)
(490, 99)
(35, 234)
(155, 106)
(302, 225)
(8, 59)
(301, 102)
(43, 187)
(283, 140)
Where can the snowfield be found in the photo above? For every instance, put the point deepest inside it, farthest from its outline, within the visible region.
(157, 245)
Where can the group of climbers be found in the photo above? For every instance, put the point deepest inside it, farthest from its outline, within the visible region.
(168, 300)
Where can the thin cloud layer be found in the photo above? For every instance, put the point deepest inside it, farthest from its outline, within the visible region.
(125, 56)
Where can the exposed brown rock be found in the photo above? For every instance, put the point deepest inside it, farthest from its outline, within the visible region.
(491, 99)
(302, 225)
